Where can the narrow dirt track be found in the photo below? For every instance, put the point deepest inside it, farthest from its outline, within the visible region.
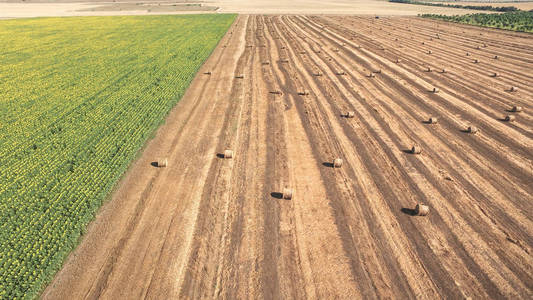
(208, 227)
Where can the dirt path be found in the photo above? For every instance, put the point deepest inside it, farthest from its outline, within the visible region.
(207, 227)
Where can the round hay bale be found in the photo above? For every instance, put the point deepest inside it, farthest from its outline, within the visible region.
(371, 75)
(509, 118)
(317, 73)
(303, 93)
(337, 162)
(495, 56)
(207, 73)
(467, 54)
(398, 60)
(340, 73)
(287, 193)
(423, 43)
(443, 70)
(476, 61)
(516, 109)
(240, 76)
(513, 89)
(377, 71)
(421, 210)
(162, 162)
(228, 153)
(266, 63)
(495, 74)
(350, 114)
(435, 90)
(428, 69)
(472, 129)
(433, 120)
(416, 150)
(429, 51)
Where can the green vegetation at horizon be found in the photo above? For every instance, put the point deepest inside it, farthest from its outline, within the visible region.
(472, 7)
(79, 97)
(515, 21)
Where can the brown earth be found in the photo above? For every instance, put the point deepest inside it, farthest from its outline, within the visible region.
(208, 227)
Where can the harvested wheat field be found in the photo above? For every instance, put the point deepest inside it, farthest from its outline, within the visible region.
(212, 226)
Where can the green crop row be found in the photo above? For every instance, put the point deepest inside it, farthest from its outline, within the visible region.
(78, 99)
(516, 21)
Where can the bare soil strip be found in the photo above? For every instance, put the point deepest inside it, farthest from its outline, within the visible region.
(209, 227)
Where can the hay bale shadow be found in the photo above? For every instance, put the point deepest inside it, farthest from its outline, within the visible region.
(276, 195)
(220, 155)
(154, 164)
(409, 211)
(328, 164)
(408, 151)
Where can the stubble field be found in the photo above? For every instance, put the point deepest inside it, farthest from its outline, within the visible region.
(208, 227)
